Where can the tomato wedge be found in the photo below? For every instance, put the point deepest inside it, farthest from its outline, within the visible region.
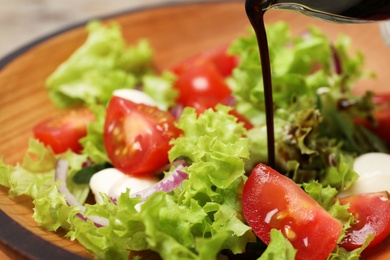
(273, 201)
(372, 216)
(64, 131)
(137, 136)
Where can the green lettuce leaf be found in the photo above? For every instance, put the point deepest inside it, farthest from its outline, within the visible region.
(35, 178)
(160, 88)
(101, 65)
(279, 248)
(93, 144)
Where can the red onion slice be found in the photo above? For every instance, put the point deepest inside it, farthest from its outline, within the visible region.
(338, 68)
(60, 176)
(167, 184)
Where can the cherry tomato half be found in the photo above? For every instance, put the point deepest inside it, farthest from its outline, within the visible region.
(273, 201)
(372, 216)
(137, 136)
(64, 131)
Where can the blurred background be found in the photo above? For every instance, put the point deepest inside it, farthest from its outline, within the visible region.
(22, 21)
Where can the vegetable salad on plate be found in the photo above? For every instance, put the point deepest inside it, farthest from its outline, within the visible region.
(175, 161)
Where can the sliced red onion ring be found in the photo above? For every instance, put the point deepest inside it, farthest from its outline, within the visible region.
(60, 176)
(336, 61)
(230, 101)
(176, 111)
(167, 184)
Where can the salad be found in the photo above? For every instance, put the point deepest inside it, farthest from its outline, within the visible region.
(193, 138)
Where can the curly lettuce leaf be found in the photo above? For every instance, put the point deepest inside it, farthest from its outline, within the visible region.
(93, 144)
(341, 253)
(51, 210)
(326, 197)
(160, 88)
(35, 178)
(341, 176)
(278, 248)
(101, 65)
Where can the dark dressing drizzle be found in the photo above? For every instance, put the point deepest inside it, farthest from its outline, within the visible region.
(256, 17)
(345, 11)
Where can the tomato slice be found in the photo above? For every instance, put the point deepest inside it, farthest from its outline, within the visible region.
(218, 57)
(273, 201)
(137, 136)
(64, 131)
(372, 216)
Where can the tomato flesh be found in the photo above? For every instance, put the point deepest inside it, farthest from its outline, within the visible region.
(137, 136)
(64, 131)
(273, 201)
(372, 216)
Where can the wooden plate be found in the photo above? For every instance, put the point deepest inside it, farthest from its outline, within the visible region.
(175, 31)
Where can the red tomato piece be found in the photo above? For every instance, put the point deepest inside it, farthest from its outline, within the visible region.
(240, 118)
(218, 57)
(199, 82)
(382, 117)
(273, 201)
(372, 216)
(64, 131)
(137, 136)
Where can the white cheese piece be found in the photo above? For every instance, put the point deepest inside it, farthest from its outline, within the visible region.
(113, 182)
(135, 96)
(132, 183)
(374, 174)
(102, 181)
